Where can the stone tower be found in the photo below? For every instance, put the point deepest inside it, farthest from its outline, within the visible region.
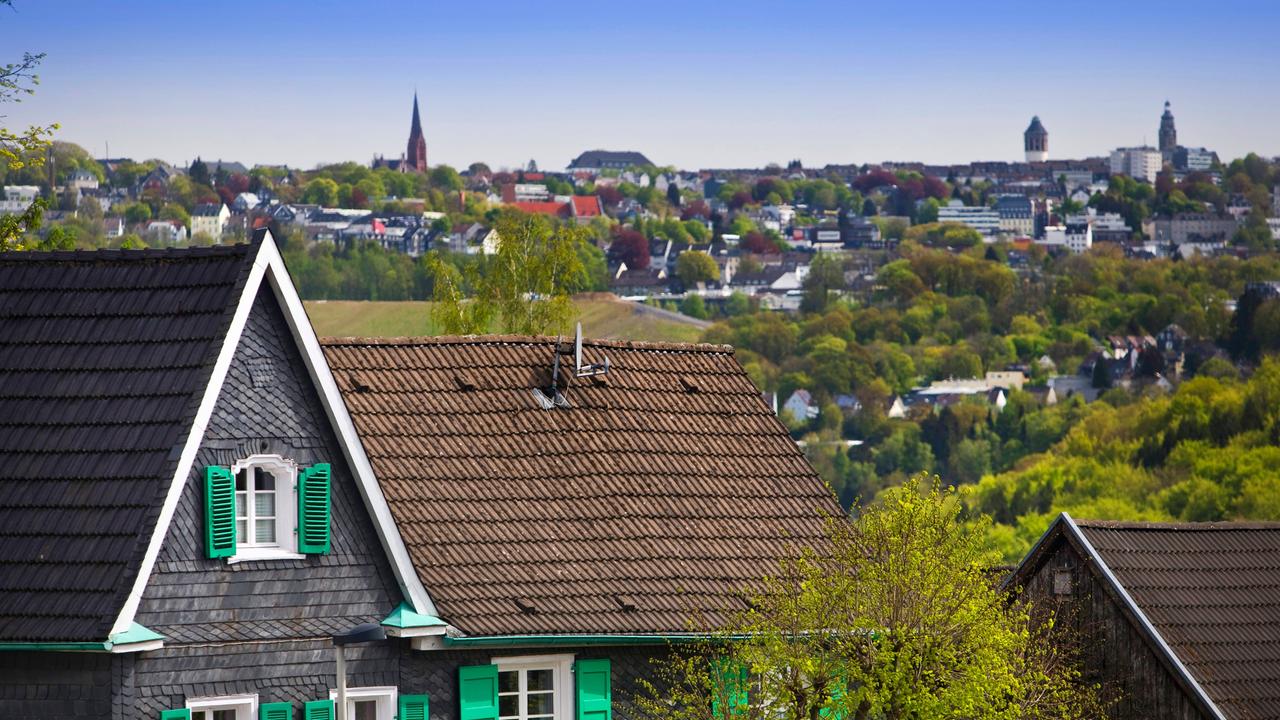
(1168, 134)
(415, 158)
(1036, 141)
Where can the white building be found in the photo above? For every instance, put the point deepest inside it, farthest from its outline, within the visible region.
(17, 198)
(983, 219)
(1140, 163)
(209, 219)
(1074, 236)
(166, 232)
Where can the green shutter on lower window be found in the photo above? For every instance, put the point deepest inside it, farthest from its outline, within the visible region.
(594, 690)
(275, 711)
(478, 692)
(730, 680)
(413, 707)
(179, 714)
(318, 710)
(219, 511)
(313, 509)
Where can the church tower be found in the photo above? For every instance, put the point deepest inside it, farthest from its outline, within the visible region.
(1036, 141)
(415, 158)
(1168, 134)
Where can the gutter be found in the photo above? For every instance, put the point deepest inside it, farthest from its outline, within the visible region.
(136, 639)
(561, 640)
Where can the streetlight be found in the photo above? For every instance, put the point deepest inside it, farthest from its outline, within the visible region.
(362, 633)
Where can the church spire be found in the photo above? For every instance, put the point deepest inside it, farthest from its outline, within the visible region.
(415, 158)
(416, 126)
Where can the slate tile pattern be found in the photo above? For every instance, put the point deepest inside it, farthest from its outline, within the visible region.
(103, 359)
(1212, 590)
(661, 490)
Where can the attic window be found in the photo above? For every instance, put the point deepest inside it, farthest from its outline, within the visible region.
(1062, 582)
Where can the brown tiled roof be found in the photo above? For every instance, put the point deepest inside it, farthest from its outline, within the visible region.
(664, 487)
(1212, 591)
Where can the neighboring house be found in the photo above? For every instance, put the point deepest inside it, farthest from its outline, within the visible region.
(562, 527)
(1177, 620)
(209, 219)
(83, 180)
(594, 161)
(166, 232)
(132, 587)
(1190, 228)
(1017, 215)
(113, 226)
(848, 404)
(245, 202)
(897, 409)
(17, 198)
(800, 407)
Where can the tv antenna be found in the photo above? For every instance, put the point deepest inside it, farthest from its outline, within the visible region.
(581, 370)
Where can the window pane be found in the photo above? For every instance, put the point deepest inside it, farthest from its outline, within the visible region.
(508, 681)
(241, 479)
(242, 531)
(540, 704)
(241, 508)
(264, 504)
(199, 715)
(509, 706)
(541, 680)
(365, 710)
(264, 531)
(224, 715)
(264, 480)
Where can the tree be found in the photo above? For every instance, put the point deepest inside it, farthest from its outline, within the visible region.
(321, 191)
(673, 195)
(445, 178)
(695, 266)
(694, 306)
(630, 247)
(525, 287)
(895, 618)
(137, 213)
(22, 148)
(199, 172)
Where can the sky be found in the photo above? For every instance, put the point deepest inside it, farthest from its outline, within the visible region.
(692, 84)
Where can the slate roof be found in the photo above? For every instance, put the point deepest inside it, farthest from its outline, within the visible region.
(1212, 591)
(609, 159)
(663, 487)
(104, 357)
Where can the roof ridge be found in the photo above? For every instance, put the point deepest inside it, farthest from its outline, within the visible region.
(111, 254)
(523, 340)
(1175, 526)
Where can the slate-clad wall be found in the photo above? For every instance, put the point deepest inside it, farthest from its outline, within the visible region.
(435, 672)
(1116, 655)
(263, 626)
(54, 686)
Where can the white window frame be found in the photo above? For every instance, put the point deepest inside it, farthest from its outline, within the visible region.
(245, 706)
(286, 545)
(562, 675)
(387, 698)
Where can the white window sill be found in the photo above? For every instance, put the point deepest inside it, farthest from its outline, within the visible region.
(251, 554)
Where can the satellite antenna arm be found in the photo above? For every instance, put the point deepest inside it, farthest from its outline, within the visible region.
(582, 370)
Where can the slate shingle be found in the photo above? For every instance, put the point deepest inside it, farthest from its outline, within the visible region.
(103, 358)
(521, 520)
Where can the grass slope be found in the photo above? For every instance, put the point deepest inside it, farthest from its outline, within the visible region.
(602, 316)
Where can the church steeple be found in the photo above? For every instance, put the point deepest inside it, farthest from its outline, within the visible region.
(1168, 134)
(415, 158)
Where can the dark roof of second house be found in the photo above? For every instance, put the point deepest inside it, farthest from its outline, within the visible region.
(609, 159)
(1212, 593)
(651, 493)
(104, 358)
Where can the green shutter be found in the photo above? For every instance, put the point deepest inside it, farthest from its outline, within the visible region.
(313, 509)
(318, 710)
(595, 698)
(729, 681)
(275, 711)
(220, 511)
(413, 707)
(478, 692)
(180, 714)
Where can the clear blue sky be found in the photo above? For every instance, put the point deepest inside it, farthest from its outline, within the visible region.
(689, 83)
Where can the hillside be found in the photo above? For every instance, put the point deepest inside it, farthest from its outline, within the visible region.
(602, 316)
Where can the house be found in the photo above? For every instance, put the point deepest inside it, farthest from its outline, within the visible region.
(1177, 620)
(559, 522)
(595, 161)
(132, 587)
(800, 407)
(897, 409)
(209, 219)
(17, 198)
(82, 180)
(166, 232)
(198, 495)
(245, 202)
(848, 404)
(113, 226)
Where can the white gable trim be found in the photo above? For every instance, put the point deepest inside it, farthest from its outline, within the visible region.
(268, 263)
(1143, 621)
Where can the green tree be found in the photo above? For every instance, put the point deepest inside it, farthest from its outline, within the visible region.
(321, 191)
(446, 178)
(137, 213)
(22, 149)
(525, 287)
(695, 266)
(694, 306)
(198, 172)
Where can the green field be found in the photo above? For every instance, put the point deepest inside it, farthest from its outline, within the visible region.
(602, 316)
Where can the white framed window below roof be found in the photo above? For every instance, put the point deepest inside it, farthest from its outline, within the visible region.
(369, 703)
(535, 687)
(226, 707)
(266, 509)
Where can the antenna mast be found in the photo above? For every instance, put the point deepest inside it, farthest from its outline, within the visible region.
(581, 370)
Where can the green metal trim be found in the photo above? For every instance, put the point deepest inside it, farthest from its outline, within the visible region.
(135, 634)
(501, 640)
(405, 616)
(54, 647)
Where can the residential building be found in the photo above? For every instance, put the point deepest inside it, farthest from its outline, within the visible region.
(800, 407)
(245, 202)
(113, 226)
(1107, 227)
(209, 219)
(82, 180)
(1017, 215)
(1172, 620)
(1140, 163)
(594, 161)
(860, 232)
(166, 232)
(1035, 141)
(17, 198)
(1188, 159)
(239, 499)
(983, 219)
(1187, 228)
